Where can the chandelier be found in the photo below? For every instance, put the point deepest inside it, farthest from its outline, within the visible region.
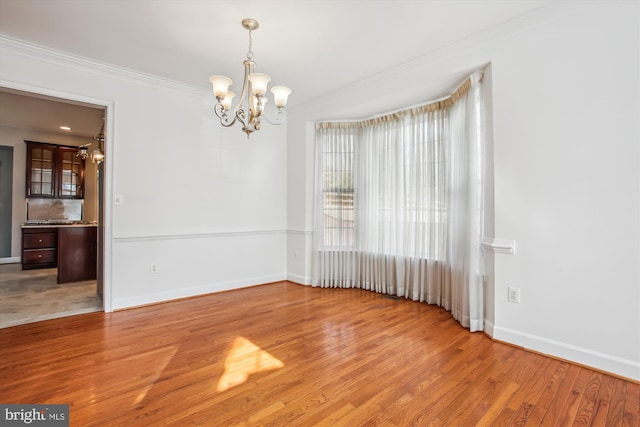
(251, 105)
(97, 155)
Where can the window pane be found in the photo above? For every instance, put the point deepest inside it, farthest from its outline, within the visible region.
(338, 206)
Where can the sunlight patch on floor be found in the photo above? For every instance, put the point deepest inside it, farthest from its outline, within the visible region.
(245, 358)
(164, 357)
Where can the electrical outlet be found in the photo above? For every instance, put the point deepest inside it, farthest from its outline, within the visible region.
(154, 267)
(513, 294)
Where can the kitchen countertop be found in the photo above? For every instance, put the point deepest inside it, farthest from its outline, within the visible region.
(52, 224)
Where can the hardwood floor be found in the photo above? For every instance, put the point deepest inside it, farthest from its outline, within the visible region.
(289, 355)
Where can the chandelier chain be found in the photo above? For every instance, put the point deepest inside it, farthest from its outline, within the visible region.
(250, 53)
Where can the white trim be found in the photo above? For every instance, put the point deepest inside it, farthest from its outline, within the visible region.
(296, 278)
(499, 246)
(109, 168)
(164, 296)
(299, 231)
(129, 238)
(55, 93)
(10, 260)
(58, 57)
(488, 327)
(584, 356)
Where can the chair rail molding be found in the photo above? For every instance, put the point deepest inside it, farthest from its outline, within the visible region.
(499, 246)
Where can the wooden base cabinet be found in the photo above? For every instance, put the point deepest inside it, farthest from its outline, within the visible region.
(77, 253)
(39, 248)
(73, 249)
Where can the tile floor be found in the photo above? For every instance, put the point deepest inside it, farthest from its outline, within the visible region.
(33, 295)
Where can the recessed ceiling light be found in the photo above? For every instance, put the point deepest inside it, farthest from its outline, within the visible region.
(65, 128)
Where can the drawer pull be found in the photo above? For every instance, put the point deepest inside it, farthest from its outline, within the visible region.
(39, 255)
(40, 241)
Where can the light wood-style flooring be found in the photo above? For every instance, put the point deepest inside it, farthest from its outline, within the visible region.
(289, 355)
(32, 295)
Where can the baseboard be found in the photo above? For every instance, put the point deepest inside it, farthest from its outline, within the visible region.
(488, 328)
(11, 260)
(583, 356)
(301, 280)
(174, 294)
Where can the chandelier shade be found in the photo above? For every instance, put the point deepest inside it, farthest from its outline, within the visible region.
(280, 95)
(228, 99)
(259, 82)
(250, 108)
(220, 85)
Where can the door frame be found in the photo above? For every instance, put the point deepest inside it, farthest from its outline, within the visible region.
(107, 196)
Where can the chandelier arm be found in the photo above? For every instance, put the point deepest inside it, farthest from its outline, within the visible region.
(241, 116)
(248, 69)
(225, 119)
(279, 117)
(248, 122)
(238, 113)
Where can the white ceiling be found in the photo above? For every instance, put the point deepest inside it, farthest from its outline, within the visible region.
(315, 47)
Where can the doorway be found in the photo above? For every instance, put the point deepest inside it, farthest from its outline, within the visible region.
(101, 183)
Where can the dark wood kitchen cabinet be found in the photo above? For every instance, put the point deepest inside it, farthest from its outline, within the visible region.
(54, 171)
(40, 170)
(73, 249)
(77, 253)
(71, 175)
(39, 248)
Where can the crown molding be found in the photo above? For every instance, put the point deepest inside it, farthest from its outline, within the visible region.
(68, 60)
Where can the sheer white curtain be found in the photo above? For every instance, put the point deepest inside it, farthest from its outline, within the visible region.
(465, 205)
(398, 204)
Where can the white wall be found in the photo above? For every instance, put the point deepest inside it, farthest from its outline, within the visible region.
(566, 185)
(203, 203)
(566, 181)
(14, 137)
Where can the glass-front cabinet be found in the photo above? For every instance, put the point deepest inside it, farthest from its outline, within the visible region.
(71, 173)
(54, 171)
(40, 165)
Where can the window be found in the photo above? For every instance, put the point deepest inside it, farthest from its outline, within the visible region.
(399, 203)
(383, 195)
(338, 192)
